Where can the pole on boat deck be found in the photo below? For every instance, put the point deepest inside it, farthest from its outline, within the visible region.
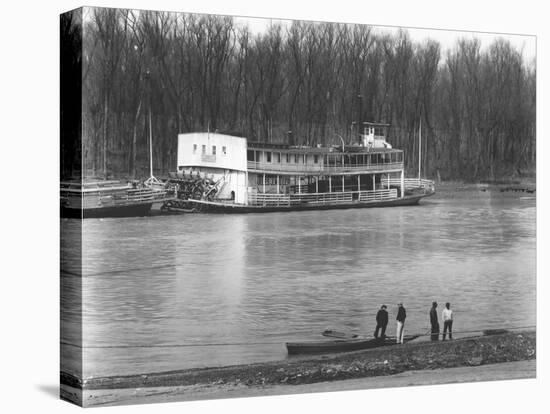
(316, 184)
(277, 183)
(359, 182)
(402, 183)
(264, 183)
(419, 147)
(330, 183)
(150, 144)
(246, 187)
(373, 182)
(343, 183)
(299, 185)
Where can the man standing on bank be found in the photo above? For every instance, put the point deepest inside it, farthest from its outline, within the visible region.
(381, 322)
(447, 321)
(401, 316)
(434, 322)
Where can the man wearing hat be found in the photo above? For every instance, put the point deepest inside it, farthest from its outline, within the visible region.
(381, 322)
(401, 316)
(434, 322)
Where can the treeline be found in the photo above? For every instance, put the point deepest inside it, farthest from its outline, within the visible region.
(301, 83)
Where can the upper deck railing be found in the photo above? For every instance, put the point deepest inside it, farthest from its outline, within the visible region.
(266, 167)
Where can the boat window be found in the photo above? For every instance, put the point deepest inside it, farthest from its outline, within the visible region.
(268, 156)
(278, 157)
(296, 158)
(249, 155)
(213, 150)
(194, 148)
(288, 158)
(224, 150)
(203, 149)
(316, 159)
(304, 159)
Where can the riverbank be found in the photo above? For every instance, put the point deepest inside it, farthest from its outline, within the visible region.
(525, 185)
(493, 372)
(304, 374)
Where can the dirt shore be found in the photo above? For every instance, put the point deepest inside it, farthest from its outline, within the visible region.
(493, 372)
(293, 373)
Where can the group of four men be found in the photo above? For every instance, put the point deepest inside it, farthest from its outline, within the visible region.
(382, 322)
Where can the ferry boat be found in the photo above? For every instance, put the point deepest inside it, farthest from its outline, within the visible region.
(105, 198)
(255, 177)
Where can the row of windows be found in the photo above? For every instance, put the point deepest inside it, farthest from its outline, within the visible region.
(364, 159)
(330, 159)
(276, 157)
(224, 150)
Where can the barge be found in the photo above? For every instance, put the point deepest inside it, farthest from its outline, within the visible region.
(103, 198)
(255, 177)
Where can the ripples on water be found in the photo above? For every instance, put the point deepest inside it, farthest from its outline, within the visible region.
(210, 279)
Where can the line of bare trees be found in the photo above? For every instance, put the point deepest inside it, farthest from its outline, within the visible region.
(299, 83)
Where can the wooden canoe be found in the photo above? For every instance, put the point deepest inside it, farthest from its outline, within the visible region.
(341, 345)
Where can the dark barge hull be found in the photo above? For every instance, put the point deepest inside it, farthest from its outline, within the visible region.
(135, 210)
(227, 208)
(340, 345)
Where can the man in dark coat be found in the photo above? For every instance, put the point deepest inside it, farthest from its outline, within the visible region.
(401, 316)
(381, 322)
(434, 322)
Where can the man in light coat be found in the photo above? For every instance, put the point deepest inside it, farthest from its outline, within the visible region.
(447, 321)
(401, 316)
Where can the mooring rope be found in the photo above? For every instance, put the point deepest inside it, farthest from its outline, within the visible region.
(280, 342)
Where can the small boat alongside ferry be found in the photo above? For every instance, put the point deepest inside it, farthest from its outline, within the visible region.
(105, 198)
(254, 177)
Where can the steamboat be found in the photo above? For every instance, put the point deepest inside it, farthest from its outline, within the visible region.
(254, 177)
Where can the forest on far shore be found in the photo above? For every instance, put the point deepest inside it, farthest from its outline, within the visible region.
(300, 83)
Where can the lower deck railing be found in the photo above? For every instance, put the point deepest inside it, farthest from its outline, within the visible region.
(410, 183)
(281, 200)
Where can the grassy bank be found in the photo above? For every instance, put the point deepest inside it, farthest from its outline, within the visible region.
(474, 351)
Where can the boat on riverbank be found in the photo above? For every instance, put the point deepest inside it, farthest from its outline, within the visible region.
(103, 198)
(254, 177)
(341, 345)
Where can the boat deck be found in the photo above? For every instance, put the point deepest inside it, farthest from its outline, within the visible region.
(229, 208)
